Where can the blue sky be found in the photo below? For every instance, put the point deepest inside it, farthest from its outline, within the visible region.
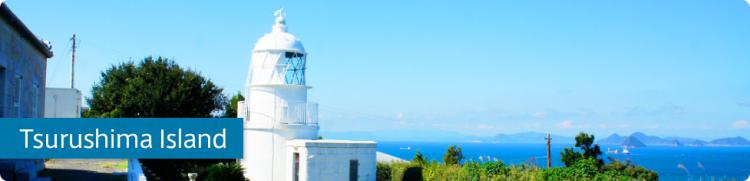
(669, 68)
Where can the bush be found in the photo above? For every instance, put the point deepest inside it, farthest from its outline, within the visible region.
(453, 155)
(494, 168)
(413, 173)
(419, 158)
(472, 170)
(225, 171)
(626, 169)
(171, 169)
(383, 171)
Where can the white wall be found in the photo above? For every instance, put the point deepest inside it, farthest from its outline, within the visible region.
(62, 103)
(330, 159)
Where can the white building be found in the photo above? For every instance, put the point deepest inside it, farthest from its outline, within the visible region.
(62, 103)
(281, 127)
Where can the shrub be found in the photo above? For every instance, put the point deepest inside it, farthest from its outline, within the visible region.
(224, 171)
(626, 169)
(419, 158)
(413, 172)
(494, 168)
(384, 171)
(472, 170)
(453, 155)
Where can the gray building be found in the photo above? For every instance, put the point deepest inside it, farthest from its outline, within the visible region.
(23, 66)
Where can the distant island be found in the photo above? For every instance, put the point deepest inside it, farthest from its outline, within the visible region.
(632, 142)
(639, 139)
(635, 140)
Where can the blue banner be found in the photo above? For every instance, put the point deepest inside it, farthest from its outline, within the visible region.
(168, 138)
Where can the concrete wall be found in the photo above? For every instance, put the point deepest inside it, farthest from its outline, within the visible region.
(62, 103)
(330, 159)
(22, 76)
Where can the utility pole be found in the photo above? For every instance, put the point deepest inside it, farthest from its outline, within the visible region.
(549, 153)
(73, 63)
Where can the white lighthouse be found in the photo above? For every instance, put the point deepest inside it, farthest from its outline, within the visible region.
(281, 127)
(277, 101)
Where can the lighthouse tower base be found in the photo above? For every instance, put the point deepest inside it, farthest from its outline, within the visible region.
(265, 148)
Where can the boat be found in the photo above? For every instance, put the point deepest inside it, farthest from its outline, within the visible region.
(405, 148)
(625, 150)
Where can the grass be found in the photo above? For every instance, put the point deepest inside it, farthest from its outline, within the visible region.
(117, 165)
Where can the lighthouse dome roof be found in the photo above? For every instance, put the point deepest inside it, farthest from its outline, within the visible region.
(279, 39)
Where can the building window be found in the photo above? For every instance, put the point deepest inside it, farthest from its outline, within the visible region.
(353, 170)
(3, 93)
(35, 100)
(295, 68)
(17, 90)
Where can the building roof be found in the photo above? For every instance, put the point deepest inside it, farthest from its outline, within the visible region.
(384, 157)
(331, 143)
(16, 24)
(279, 39)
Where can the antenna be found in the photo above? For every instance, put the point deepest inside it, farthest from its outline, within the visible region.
(73, 62)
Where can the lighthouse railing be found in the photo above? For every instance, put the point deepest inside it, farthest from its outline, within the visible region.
(299, 113)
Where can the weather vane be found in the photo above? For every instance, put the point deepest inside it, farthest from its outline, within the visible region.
(280, 14)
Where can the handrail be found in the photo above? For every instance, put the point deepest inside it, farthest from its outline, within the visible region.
(295, 113)
(299, 113)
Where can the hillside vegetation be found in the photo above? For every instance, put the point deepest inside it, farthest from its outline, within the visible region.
(584, 165)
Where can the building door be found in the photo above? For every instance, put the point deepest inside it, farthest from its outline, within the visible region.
(353, 170)
(295, 169)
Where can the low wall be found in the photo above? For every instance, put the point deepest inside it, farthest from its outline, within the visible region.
(135, 171)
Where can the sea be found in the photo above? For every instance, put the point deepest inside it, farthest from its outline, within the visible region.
(671, 163)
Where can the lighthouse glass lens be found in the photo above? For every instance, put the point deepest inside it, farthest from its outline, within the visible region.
(295, 72)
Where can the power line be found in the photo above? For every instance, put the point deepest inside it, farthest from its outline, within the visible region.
(56, 66)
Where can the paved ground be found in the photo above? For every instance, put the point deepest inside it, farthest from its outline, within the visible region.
(85, 169)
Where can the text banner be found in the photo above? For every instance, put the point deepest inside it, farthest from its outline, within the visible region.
(168, 138)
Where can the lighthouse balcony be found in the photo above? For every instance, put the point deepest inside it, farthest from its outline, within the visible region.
(299, 113)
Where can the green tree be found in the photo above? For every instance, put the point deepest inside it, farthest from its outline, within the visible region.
(453, 155)
(230, 109)
(570, 156)
(419, 158)
(156, 88)
(153, 88)
(584, 142)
